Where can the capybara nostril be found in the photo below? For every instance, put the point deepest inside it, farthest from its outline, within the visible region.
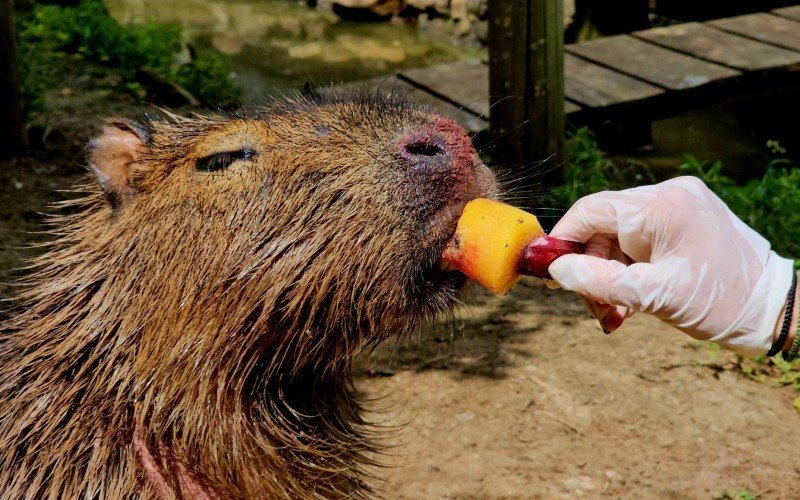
(426, 151)
(440, 148)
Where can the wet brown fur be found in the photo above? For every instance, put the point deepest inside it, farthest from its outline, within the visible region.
(217, 314)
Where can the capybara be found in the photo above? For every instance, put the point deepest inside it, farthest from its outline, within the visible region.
(190, 331)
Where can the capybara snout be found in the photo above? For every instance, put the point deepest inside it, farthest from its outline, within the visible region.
(192, 327)
(336, 208)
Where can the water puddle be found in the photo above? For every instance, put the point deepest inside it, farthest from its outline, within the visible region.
(276, 46)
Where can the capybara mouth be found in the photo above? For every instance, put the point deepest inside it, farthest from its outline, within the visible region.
(439, 276)
(444, 173)
(437, 272)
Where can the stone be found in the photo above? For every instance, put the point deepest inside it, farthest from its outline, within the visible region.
(442, 7)
(305, 51)
(569, 12)
(465, 20)
(368, 48)
(227, 42)
(365, 9)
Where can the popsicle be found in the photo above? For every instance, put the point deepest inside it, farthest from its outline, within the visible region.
(495, 244)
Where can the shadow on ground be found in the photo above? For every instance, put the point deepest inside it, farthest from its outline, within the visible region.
(483, 339)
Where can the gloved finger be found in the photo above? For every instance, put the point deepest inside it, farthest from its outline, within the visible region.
(609, 317)
(614, 319)
(601, 245)
(618, 254)
(596, 310)
(606, 247)
(591, 215)
(605, 281)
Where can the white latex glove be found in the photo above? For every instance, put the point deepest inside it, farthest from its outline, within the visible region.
(675, 250)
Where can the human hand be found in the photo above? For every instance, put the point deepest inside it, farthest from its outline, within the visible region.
(675, 250)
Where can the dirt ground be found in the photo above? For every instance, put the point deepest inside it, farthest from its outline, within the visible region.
(534, 401)
(521, 396)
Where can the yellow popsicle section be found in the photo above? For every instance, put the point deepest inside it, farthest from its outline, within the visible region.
(489, 242)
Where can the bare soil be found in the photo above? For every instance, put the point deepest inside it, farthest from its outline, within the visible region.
(520, 396)
(532, 400)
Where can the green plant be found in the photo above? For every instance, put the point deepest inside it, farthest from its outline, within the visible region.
(207, 76)
(50, 34)
(708, 172)
(771, 371)
(737, 495)
(769, 204)
(588, 171)
(713, 351)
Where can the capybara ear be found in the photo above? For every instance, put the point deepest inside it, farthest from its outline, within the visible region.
(112, 155)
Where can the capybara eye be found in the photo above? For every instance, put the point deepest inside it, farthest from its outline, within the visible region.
(221, 161)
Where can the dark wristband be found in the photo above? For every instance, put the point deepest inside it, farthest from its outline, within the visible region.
(787, 320)
(791, 354)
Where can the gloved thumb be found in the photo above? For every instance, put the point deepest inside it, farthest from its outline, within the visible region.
(598, 279)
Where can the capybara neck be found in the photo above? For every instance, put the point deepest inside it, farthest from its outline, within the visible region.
(190, 331)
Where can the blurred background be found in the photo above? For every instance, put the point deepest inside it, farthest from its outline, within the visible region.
(650, 92)
(508, 401)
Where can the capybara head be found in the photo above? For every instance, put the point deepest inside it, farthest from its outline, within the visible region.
(192, 328)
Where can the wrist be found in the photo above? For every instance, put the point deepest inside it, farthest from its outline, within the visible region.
(752, 334)
(795, 315)
(793, 325)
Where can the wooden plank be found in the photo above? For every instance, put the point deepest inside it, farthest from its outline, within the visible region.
(659, 66)
(408, 90)
(464, 82)
(393, 86)
(720, 47)
(571, 108)
(764, 27)
(596, 87)
(789, 12)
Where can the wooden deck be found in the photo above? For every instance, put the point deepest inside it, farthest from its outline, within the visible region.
(644, 75)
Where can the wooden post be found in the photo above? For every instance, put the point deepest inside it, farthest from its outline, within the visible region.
(13, 134)
(526, 61)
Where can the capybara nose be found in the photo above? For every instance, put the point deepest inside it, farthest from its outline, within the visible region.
(426, 152)
(440, 148)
